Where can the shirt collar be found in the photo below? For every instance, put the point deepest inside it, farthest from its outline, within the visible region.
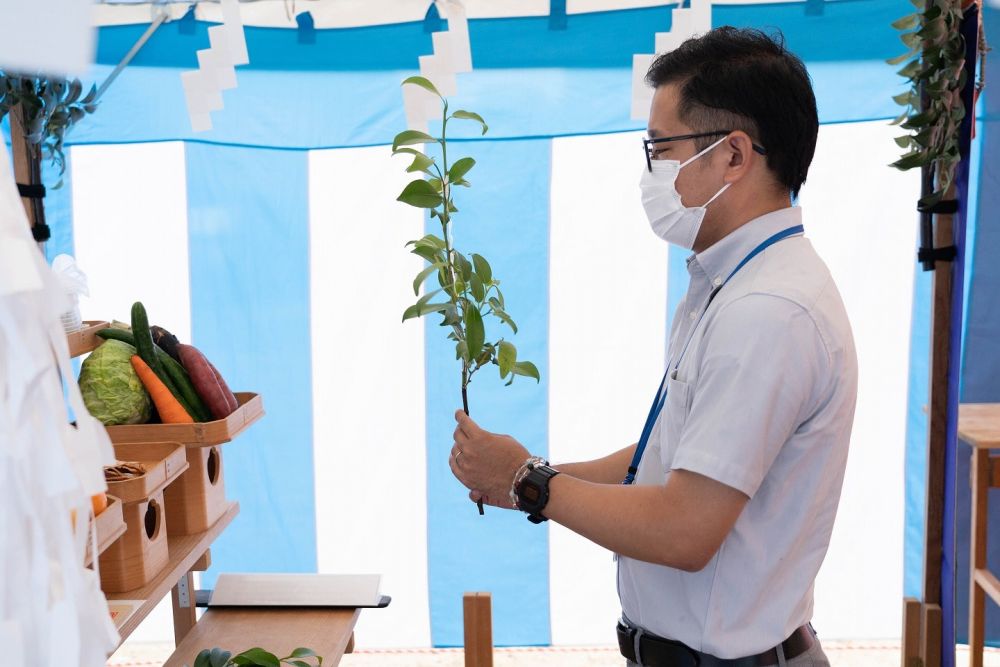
(718, 261)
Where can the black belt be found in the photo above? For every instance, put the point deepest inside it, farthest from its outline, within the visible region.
(659, 652)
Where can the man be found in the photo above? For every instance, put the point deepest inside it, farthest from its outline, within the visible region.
(730, 495)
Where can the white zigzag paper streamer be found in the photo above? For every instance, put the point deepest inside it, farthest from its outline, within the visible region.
(216, 67)
(452, 55)
(686, 22)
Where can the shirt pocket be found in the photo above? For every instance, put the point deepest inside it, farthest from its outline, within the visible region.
(675, 413)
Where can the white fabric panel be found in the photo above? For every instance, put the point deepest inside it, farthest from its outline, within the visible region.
(357, 13)
(608, 296)
(131, 237)
(860, 215)
(368, 387)
(130, 231)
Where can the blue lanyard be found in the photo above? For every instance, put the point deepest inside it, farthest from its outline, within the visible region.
(661, 393)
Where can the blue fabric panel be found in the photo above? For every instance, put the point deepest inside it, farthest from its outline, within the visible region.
(915, 466)
(248, 228)
(59, 209)
(846, 30)
(981, 365)
(307, 110)
(505, 218)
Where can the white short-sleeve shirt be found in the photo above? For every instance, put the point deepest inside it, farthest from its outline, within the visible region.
(763, 401)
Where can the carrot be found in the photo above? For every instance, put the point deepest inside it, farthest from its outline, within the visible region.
(170, 409)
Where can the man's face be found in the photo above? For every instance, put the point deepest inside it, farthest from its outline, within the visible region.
(701, 179)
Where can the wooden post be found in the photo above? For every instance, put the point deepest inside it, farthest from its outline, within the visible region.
(477, 608)
(912, 612)
(185, 612)
(931, 649)
(981, 478)
(27, 167)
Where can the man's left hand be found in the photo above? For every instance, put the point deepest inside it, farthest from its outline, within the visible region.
(485, 462)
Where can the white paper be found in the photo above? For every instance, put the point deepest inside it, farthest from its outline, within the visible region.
(458, 31)
(217, 68)
(201, 95)
(296, 590)
(53, 36)
(642, 94)
(442, 76)
(234, 30)
(18, 271)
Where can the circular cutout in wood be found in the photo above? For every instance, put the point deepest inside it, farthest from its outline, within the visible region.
(152, 520)
(214, 466)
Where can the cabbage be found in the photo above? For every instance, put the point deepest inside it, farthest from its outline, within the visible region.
(112, 391)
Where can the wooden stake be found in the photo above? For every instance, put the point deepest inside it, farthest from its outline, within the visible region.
(477, 608)
(912, 613)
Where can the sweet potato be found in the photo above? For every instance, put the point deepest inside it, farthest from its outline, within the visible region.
(206, 383)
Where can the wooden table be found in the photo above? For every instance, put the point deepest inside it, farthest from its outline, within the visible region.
(979, 425)
(329, 632)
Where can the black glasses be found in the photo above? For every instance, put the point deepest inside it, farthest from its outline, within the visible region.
(647, 144)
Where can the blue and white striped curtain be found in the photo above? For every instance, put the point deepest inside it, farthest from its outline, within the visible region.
(275, 244)
(288, 269)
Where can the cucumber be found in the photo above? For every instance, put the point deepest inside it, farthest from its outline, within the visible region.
(147, 352)
(198, 410)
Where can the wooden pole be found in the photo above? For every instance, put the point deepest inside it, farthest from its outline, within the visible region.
(27, 168)
(477, 608)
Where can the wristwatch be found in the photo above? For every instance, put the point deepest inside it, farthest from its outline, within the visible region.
(533, 491)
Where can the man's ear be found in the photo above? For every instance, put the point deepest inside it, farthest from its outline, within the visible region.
(739, 146)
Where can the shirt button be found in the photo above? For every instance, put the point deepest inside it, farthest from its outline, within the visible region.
(692, 315)
(717, 282)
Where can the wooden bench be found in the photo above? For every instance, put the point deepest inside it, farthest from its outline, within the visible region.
(327, 631)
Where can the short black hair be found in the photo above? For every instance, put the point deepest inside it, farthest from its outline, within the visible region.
(744, 79)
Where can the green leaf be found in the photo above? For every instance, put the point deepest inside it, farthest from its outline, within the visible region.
(478, 290)
(907, 22)
(475, 333)
(202, 659)
(421, 310)
(526, 369)
(429, 240)
(904, 99)
(464, 266)
(259, 657)
(427, 297)
(219, 658)
(506, 358)
(423, 275)
(460, 169)
(462, 351)
(303, 653)
(505, 318)
(410, 137)
(902, 58)
(904, 141)
(468, 115)
(420, 163)
(483, 268)
(423, 83)
(297, 663)
(421, 194)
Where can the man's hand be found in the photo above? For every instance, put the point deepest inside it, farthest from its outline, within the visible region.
(485, 462)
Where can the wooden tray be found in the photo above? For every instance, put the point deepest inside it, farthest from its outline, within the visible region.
(85, 340)
(206, 434)
(110, 524)
(164, 462)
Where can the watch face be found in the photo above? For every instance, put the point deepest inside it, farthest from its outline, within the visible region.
(530, 493)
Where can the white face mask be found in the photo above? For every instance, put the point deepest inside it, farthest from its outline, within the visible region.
(670, 219)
